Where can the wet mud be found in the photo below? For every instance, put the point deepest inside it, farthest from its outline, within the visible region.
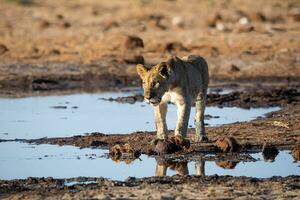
(187, 187)
(255, 96)
(280, 128)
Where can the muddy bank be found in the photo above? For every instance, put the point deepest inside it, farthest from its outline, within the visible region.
(281, 128)
(241, 97)
(179, 187)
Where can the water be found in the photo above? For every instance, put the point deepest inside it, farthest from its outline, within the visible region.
(22, 160)
(35, 117)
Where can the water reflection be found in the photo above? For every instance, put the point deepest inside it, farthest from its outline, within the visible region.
(21, 160)
(179, 167)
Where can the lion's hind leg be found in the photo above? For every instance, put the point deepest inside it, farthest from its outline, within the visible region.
(200, 104)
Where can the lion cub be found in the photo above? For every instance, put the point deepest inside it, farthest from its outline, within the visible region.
(182, 82)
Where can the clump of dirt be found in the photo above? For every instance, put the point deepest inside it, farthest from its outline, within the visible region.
(248, 97)
(134, 59)
(269, 152)
(163, 147)
(132, 42)
(226, 164)
(296, 152)
(181, 142)
(3, 49)
(227, 144)
(125, 150)
(250, 136)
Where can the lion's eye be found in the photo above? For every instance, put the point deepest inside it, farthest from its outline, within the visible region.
(156, 85)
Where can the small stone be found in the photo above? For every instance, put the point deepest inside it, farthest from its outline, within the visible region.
(60, 16)
(178, 21)
(180, 141)
(55, 52)
(44, 24)
(174, 46)
(226, 164)
(212, 20)
(133, 42)
(269, 152)
(64, 24)
(234, 68)
(3, 49)
(296, 152)
(227, 144)
(166, 147)
(243, 21)
(134, 59)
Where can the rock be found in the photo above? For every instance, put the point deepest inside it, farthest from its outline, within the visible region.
(243, 21)
(134, 59)
(269, 152)
(227, 144)
(245, 29)
(124, 150)
(64, 24)
(59, 107)
(295, 15)
(133, 42)
(44, 84)
(258, 16)
(107, 25)
(59, 16)
(116, 150)
(3, 49)
(226, 164)
(213, 19)
(166, 147)
(55, 52)
(234, 68)
(44, 24)
(174, 46)
(296, 152)
(178, 21)
(96, 143)
(181, 142)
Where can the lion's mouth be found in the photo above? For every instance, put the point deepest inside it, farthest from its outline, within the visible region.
(153, 101)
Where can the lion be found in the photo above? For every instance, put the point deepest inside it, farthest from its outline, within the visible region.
(182, 82)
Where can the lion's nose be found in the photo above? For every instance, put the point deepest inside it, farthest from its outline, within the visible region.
(150, 95)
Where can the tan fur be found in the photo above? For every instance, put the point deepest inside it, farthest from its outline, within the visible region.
(182, 82)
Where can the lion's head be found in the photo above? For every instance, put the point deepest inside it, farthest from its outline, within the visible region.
(155, 81)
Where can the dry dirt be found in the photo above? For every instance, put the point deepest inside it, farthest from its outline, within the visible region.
(63, 45)
(252, 47)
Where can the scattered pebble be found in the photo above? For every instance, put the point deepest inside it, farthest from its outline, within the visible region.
(59, 107)
(296, 152)
(269, 152)
(134, 59)
(243, 21)
(3, 49)
(133, 42)
(178, 21)
(227, 144)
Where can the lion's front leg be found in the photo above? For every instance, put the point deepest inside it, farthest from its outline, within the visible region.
(160, 112)
(200, 104)
(183, 114)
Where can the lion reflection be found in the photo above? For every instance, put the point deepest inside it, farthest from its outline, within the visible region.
(180, 167)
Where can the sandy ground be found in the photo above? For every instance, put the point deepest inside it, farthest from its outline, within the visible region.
(84, 44)
(252, 47)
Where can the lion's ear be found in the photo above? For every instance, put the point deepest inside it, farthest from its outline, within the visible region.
(141, 70)
(164, 70)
